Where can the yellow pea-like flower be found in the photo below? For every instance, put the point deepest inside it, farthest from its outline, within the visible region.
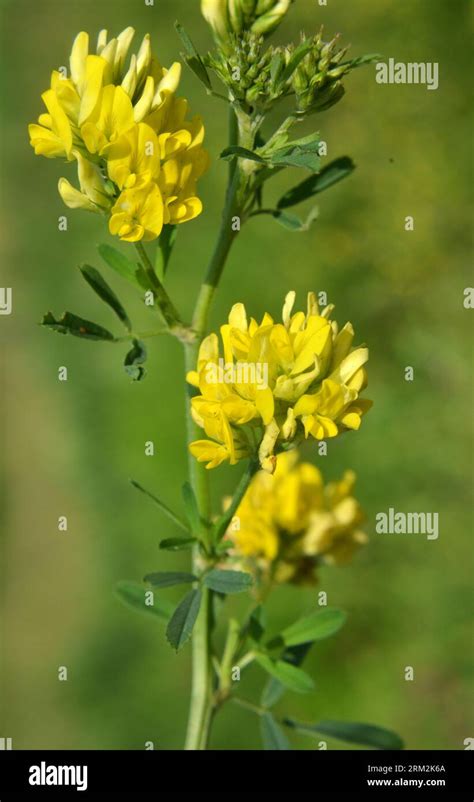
(138, 214)
(292, 521)
(119, 112)
(276, 384)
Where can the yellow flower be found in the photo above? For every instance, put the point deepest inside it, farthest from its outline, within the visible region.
(277, 383)
(138, 214)
(121, 114)
(291, 522)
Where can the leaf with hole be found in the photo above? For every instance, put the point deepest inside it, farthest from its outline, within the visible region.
(134, 360)
(183, 619)
(69, 323)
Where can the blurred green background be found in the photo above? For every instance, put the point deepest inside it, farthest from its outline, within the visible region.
(71, 447)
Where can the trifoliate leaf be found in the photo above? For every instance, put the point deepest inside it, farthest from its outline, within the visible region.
(273, 737)
(105, 293)
(351, 732)
(227, 581)
(77, 326)
(139, 598)
(274, 690)
(329, 175)
(291, 677)
(165, 579)
(183, 619)
(134, 360)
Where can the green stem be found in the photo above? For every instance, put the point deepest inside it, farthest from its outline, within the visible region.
(165, 304)
(202, 706)
(237, 498)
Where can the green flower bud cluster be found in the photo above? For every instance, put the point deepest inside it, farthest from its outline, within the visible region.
(229, 17)
(251, 71)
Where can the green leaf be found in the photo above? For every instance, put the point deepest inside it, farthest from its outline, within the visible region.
(163, 507)
(123, 266)
(134, 360)
(256, 624)
(298, 55)
(351, 732)
(183, 619)
(166, 242)
(228, 581)
(241, 153)
(165, 579)
(191, 509)
(274, 690)
(301, 153)
(133, 595)
(77, 326)
(105, 293)
(177, 543)
(360, 60)
(317, 626)
(292, 222)
(193, 59)
(273, 737)
(291, 677)
(329, 175)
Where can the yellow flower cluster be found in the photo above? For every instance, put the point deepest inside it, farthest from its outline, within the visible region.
(276, 384)
(290, 522)
(137, 155)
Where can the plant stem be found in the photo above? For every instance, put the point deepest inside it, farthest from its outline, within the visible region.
(237, 498)
(201, 709)
(165, 304)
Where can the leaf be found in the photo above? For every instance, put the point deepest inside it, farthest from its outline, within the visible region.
(177, 543)
(329, 175)
(256, 624)
(191, 509)
(291, 677)
(123, 266)
(241, 153)
(317, 626)
(105, 293)
(351, 732)
(163, 507)
(360, 60)
(273, 737)
(133, 595)
(274, 690)
(183, 619)
(298, 55)
(165, 579)
(297, 154)
(134, 360)
(292, 222)
(77, 326)
(193, 59)
(227, 581)
(166, 243)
